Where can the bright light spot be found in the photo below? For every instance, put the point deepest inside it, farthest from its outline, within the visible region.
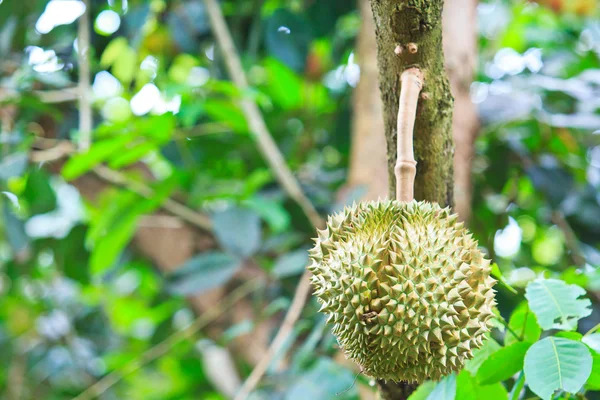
(520, 277)
(479, 92)
(352, 71)
(106, 86)
(284, 29)
(108, 22)
(145, 100)
(507, 241)
(533, 59)
(210, 53)
(198, 76)
(43, 61)
(58, 223)
(509, 61)
(59, 12)
(182, 318)
(164, 106)
(143, 328)
(124, 5)
(128, 282)
(150, 66)
(54, 325)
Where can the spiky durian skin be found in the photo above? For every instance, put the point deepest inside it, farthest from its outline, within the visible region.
(407, 290)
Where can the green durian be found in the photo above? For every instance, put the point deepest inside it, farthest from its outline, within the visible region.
(407, 290)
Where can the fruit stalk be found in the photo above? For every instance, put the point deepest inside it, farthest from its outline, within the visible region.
(411, 82)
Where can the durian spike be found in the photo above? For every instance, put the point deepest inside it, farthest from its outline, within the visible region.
(405, 170)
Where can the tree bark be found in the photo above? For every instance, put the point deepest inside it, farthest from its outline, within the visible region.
(460, 47)
(368, 159)
(409, 34)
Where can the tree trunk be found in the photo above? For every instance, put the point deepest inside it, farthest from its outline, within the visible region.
(409, 34)
(460, 48)
(368, 160)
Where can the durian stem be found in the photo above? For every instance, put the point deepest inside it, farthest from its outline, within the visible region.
(411, 82)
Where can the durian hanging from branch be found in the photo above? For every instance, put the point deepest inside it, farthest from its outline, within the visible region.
(407, 290)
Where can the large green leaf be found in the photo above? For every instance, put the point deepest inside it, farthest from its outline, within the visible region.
(238, 231)
(556, 304)
(100, 151)
(502, 364)
(524, 324)
(290, 264)
(489, 347)
(467, 388)
(203, 272)
(445, 389)
(557, 363)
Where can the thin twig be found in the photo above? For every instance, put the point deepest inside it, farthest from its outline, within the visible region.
(571, 240)
(257, 124)
(284, 175)
(166, 345)
(170, 205)
(45, 96)
(83, 55)
(406, 165)
(284, 332)
(65, 148)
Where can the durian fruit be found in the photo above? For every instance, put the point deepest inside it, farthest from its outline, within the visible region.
(407, 290)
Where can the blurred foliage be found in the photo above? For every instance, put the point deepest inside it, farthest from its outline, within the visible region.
(81, 295)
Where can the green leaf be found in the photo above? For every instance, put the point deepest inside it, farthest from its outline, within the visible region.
(125, 66)
(445, 389)
(593, 382)
(502, 364)
(515, 393)
(116, 227)
(325, 380)
(557, 363)
(489, 347)
(113, 50)
(203, 272)
(467, 388)
(274, 214)
(238, 231)
(100, 151)
(291, 264)
(556, 304)
(131, 156)
(423, 391)
(523, 323)
(496, 273)
(38, 192)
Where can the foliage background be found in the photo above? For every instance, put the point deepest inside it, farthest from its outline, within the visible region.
(96, 270)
